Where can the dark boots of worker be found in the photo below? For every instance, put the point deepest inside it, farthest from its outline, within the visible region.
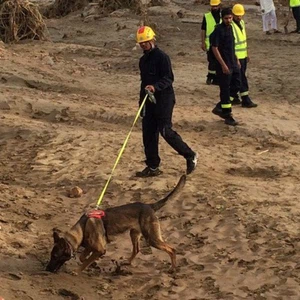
(247, 102)
(236, 101)
(211, 79)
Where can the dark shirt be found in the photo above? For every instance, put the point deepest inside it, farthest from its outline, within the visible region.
(155, 69)
(223, 38)
(217, 16)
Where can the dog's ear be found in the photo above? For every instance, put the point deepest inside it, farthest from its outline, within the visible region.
(56, 237)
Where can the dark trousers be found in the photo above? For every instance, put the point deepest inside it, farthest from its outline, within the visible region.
(158, 120)
(296, 14)
(229, 86)
(244, 81)
(212, 64)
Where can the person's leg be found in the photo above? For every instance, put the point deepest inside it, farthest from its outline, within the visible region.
(244, 87)
(223, 107)
(296, 14)
(274, 21)
(164, 120)
(211, 75)
(265, 22)
(225, 93)
(225, 83)
(164, 112)
(150, 137)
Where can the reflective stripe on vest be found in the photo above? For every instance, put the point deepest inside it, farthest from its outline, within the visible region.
(294, 3)
(210, 27)
(240, 40)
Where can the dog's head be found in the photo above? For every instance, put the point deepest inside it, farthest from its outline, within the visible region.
(60, 253)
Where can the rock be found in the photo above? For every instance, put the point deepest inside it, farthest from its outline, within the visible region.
(180, 14)
(91, 18)
(75, 192)
(120, 13)
(48, 60)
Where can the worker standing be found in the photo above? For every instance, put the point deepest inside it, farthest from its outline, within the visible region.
(157, 78)
(210, 20)
(295, 6)
(241, 51)
(222, 46)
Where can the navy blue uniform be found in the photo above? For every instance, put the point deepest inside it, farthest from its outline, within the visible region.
(223, 38)
(155, 68)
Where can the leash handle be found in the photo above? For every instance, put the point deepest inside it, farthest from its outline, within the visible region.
(121, 152)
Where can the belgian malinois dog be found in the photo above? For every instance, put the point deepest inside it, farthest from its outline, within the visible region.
(94, 233)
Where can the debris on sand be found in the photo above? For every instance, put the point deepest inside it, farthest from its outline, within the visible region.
(61, 8)
(20, 20)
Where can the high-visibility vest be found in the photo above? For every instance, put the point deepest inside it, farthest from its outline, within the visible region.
(294, 3)
(240, 40)
(210, 27)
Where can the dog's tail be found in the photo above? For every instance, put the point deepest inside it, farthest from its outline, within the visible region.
(159, 204)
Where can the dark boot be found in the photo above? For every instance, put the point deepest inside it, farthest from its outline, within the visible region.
(215, 80)
(218, 111)
(211, 79)
(236, 101)
(247, 102)
(149, 172)
(231, 121)
(191, 163)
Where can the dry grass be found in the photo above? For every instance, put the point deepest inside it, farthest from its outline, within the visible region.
(19, 20)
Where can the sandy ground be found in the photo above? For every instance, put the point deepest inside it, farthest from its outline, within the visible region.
(66, 106)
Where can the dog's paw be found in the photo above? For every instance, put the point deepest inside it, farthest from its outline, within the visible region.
(173, 271)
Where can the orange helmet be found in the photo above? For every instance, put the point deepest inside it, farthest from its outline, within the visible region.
(145, 34)
(238, 10)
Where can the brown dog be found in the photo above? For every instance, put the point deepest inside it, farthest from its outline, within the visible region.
(93, 234)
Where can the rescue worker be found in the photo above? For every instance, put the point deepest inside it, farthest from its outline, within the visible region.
(210, 20)
(222, 46)
(157, 78)
(295, 6)
(241, 51)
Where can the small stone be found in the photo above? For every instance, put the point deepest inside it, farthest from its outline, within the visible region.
(75, 192)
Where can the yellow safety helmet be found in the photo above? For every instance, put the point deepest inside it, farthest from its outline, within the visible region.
(215, 2)
(145, 34)
(238, 10)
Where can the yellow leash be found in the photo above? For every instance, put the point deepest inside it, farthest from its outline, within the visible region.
(121, 152)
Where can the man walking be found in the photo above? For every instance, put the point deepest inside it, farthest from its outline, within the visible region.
(241, 52)
(222, 46)
(157, 78)
(210, 20)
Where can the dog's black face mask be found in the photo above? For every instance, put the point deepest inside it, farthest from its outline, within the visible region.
(60, 253)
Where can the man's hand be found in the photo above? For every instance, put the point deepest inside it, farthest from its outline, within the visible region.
(150, 88)
(203, 47)
(225, 69)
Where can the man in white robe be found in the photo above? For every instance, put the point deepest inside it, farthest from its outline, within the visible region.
(268, 16)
